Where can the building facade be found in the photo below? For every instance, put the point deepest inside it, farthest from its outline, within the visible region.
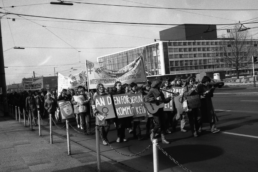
(185, 56)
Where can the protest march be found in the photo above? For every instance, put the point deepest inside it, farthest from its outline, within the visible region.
(126, 99)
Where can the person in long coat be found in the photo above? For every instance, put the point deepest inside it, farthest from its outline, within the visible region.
(205, 90)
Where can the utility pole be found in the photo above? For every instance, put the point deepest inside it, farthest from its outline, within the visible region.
(33, 74)
(54, 71)
(3, 97)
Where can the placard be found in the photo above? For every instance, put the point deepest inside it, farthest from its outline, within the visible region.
(123, 105)
(168, 106)
(66, 109)
(104, 105)
(137, 103)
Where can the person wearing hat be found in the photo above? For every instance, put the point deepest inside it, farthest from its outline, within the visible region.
(155, 95)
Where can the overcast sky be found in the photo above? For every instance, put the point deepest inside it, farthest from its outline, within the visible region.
(83, 40)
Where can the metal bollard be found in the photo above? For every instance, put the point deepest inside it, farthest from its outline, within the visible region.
(98, 149)
(31, 126)
(39, 123)
(155, 155)
(68, 137)
(19, 114)
(50, 128)
(24, 118)
(15, 112)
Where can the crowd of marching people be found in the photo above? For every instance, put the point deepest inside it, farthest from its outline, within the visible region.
(157, 124)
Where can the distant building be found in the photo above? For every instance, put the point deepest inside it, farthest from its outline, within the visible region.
(14, 88)
(185, 49)
(39, 83)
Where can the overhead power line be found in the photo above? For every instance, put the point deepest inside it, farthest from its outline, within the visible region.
(102, 21)
(47, 65)
(26, 5)
(165, 8)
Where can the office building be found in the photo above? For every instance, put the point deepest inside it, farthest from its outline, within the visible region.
(198, 50)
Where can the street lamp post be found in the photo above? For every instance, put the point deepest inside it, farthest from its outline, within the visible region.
(2, 73)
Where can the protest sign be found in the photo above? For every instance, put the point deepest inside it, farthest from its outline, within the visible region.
(66, 109)
(33, 84)
(178, 103)
(105, 106)
(72, 81)
(168, 106)
(137, 103)
(133, 72)
(123, 106)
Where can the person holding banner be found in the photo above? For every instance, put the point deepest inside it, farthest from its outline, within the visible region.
(191, 91)
(83, 101)
(136, 127)
(120, 123)
(168, 115)
(104, 125)
(208, 114)
(155, 95)
(76, 109)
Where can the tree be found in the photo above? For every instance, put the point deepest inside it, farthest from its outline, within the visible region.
(239, 49)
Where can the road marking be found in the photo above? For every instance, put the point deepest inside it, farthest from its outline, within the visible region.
(252, 101)
(222, 110)
(237, 111)
(240, 93)
(242, 135)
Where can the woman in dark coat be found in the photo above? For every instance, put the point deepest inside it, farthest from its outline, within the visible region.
(190, 90)
(121, 122)
(205, 91)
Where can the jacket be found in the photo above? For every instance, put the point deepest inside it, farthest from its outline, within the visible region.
(50, 105)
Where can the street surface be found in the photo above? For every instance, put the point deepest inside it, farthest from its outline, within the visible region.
(233, 149)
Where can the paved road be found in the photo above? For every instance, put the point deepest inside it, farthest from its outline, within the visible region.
(234, 149)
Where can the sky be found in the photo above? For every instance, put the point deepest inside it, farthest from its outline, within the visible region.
(63, 46)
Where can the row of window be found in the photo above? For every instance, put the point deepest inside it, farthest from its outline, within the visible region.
(198, 62)
(198, 43)
(175, 56)
(201, 67)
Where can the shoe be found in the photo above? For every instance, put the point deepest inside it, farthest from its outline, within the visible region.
(163, 139)
(130, 131)
(139, 138)
(105, 143)
(118, 140)
(183, 130)
(168, 131)
(200, 130)
(124, 140)
(78, 126)
(81, 128)
(215, 130)
(195, 134)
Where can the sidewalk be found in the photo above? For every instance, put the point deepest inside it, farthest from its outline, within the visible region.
(23, 150)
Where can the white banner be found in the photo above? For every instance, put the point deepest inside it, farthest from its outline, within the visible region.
(72, 81)
(33, 84)
(133, 72)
